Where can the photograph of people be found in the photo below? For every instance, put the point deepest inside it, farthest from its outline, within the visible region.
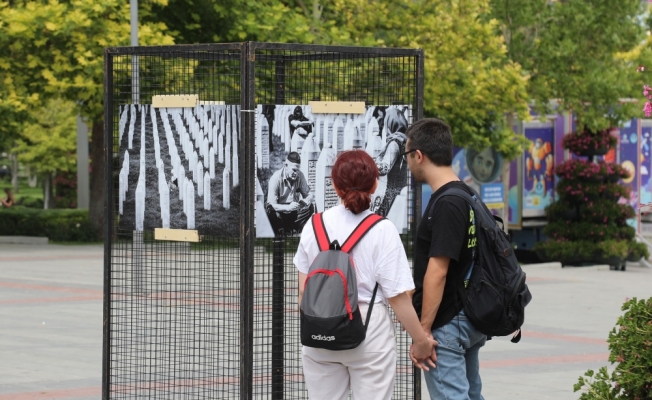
(484, 166)
(390, 163)
(379, 114)
(369, 370)
(299, 123)
(289, 200)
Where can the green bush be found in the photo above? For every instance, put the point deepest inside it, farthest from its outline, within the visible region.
(630, 348)
(57, 225)
(586, 230)
(31, 202)
(566, 251)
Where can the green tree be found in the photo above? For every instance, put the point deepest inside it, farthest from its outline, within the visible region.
(54, 49)
(470, 81)
(571, 50)
(47, 143)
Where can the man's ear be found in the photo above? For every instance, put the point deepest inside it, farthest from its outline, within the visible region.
(420, 156)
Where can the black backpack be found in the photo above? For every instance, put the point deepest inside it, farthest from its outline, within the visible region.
(493, 292)
(330, 316)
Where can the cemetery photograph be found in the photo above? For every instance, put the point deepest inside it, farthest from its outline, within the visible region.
(179, 168)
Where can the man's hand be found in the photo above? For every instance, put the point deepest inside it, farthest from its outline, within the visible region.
(293, 206)
(424, 354)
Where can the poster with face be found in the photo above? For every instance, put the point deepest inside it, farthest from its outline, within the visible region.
(477, 168)
(179, 168)
(646, 162)
(296, 151)
(539, 164)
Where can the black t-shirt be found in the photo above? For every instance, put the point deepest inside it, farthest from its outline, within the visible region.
(448, 234)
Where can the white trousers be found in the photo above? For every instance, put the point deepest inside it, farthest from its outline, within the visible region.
(368, 370)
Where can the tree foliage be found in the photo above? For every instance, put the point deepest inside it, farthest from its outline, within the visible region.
(48, 141)
(470, 81)
(55, 49)
(572, 51)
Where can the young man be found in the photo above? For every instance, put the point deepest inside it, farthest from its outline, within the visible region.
(444, 250)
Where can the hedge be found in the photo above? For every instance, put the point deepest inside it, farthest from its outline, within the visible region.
(65, 225)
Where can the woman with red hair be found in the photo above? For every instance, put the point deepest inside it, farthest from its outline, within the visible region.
(379, 257)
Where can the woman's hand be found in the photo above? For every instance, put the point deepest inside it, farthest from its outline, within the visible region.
(423, 353)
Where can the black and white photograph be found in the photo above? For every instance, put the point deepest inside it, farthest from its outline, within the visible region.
(179, 168)
(296, 151)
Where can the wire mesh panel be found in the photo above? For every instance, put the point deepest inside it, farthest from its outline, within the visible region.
(295, 75)
(173, 315)
(219, 318)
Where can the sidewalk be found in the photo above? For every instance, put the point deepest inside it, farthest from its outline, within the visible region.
(51, 326)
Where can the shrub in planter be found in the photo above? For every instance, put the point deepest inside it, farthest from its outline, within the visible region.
(603, 211)
(565, 250)
(590, 143)
(614, 172)
(562, 210)
(630, 349)
(637, 251)
(578, 191)
(578, 169)
(587, 223)
(584, 230)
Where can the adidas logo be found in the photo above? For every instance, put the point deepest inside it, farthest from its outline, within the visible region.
(325, 338)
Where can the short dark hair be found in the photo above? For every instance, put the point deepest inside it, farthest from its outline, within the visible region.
(433, 138)
(294, 157)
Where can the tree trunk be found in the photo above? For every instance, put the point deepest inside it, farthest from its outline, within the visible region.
(96, 206)
(48, 192)
(32, 179)
(14, 172)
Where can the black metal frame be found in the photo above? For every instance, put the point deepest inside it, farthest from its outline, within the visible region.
(248, 61)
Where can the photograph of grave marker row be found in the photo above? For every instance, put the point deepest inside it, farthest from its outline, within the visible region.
(178, 168)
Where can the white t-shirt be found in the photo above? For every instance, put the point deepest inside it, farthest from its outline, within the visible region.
(378, 257)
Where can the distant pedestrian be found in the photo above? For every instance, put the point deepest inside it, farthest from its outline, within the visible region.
(9, 200)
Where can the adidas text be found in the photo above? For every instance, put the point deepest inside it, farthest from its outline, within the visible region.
(325, 338)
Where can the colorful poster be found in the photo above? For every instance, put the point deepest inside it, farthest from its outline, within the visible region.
(514, 199)
(296, 151)
(476, 168)
(629, 150)
(179, 168)
(538, 161)
(646, 163)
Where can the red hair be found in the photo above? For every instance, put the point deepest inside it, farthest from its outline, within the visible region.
(354, 175)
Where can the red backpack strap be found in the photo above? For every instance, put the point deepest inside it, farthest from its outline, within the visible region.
(320, 232)
(361, 230)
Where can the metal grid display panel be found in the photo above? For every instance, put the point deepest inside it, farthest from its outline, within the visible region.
(287, 75)
(218, 319)
(174, 307)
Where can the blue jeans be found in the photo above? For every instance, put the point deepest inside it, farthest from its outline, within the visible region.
(457, 376)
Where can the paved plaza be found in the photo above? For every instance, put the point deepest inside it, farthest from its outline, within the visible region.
(51, 326)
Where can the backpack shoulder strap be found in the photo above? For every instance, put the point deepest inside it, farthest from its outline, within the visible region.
(358, 233)
(320, 232)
